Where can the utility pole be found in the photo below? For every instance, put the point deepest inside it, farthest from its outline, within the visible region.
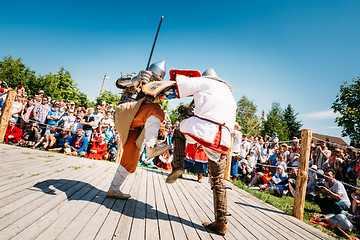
(102, 86)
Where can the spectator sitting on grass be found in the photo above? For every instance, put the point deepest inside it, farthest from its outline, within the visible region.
(78, 144)
(262, 178)
(145, 161)
(13, 134)
(335, 198)
(31, 135)
(280, 178)
(62, 139)
(98, 148)
(49, 140)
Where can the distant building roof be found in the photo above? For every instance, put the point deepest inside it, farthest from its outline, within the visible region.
(331, 139)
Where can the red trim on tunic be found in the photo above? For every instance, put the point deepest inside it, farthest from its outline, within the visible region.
(215, 145)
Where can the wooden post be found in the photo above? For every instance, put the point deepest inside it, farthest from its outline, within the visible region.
(228, 159)
(102, 86)
(301, 181)
(5, 114)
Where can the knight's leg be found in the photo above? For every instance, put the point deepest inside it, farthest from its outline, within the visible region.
(218, 186)
(128, 164)
(152, 126)
(179, 142)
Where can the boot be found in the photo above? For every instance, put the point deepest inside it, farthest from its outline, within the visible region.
(152, 126)
(156, 150)
(117, 194)
(219, 227)
(179, 156)
(119, 178)
(219, 195)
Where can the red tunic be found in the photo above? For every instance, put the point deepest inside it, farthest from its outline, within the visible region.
(100, 148)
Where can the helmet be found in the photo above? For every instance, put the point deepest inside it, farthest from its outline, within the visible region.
(158, 68)
(210, 72)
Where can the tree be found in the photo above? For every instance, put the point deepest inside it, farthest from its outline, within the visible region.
(293, 125)
(108, 97)
(14, 71)
(246, 116)
(347, 103)
(275, 123)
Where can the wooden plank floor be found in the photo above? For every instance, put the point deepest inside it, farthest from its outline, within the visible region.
(46, 195)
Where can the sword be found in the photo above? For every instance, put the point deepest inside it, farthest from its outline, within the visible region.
(152, 49)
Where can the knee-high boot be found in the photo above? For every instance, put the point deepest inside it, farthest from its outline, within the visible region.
(219, 194)
(179, 156)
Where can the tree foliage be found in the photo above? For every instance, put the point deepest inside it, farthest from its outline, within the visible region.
(108, 97)
(58, 86)
(293, 125)
(275, 123)
(14, 71)
(246, 116)
(347, 103)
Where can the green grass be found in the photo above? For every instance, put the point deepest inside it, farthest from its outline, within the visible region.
(46, 156)
(35, 174)
(18, 176)
(75, 167)
(286, 204)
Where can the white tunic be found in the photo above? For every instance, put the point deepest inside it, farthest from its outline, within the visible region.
(215, 107)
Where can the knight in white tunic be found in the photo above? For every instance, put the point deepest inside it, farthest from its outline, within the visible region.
(211, 126)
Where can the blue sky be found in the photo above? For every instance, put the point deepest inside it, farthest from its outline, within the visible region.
(293, 52)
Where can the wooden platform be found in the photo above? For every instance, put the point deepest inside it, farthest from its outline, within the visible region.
(46, 195)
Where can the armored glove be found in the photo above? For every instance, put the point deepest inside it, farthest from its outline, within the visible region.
(144, 76)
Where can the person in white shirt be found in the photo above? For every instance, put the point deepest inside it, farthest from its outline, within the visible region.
(236, 152)
(98, 116)
(336, 199)
(76, 125)
(244, 147)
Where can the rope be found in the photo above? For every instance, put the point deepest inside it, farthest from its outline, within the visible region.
(271, 166)
(336, 144)
(344, 183)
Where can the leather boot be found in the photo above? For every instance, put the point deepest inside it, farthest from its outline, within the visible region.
(179, 156)
(219, 227)
(117, 194)
(219, 194)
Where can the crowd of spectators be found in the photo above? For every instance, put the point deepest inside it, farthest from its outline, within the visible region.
(263, 163)
(59, 125)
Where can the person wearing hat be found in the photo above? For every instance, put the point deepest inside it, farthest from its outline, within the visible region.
(78, 144)
(280, 177)
(274, 138)
(13, 134)
(295, 142)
